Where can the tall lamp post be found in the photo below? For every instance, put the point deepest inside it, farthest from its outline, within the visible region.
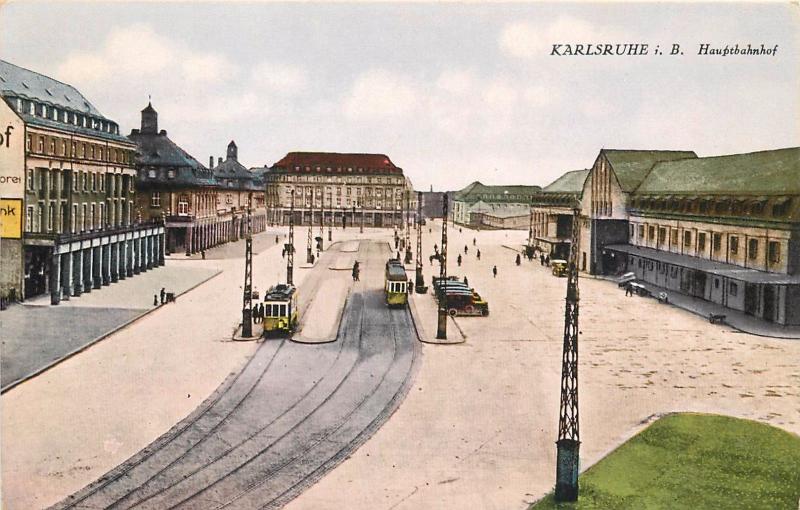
(322, 220)
(419, 280)
(309, 248)
(361, 228)
(290, 245)
(247, 301)
(408, 227)
(441, 324)
(568, 443)
(330, 223)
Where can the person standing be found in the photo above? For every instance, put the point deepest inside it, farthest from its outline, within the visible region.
(474, 240)
(494, 272)
(163, 294)
(459, 260)
(479, 254)
(541, 259)
(547, 260)
(465, 249)
(518, 259)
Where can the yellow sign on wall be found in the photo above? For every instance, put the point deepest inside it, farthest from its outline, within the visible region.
(11, 218)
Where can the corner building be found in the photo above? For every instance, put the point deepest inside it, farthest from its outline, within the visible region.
(345, 188)
(68, 193)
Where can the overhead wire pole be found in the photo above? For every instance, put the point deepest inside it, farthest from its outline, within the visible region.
(330, 224)
(361, 206)
(247, 300)
(309, 253)
(419, 280)
(408, 227)
(529, 251)
(290, 245)
(568, 443)
(321, 220)
(441, 324)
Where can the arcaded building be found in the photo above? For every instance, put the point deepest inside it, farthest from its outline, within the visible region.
(347, 188)
(68, 193)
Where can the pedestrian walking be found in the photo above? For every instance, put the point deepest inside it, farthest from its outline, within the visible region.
(465, 249)
(203, 254)
(494, 272)
(479, 254)
(163, 294)
(541, 258)
(276, 239)
(518, 259)
(459, 260)
(466, 282)
(155, 299)
(474, 241)
(628, 289)
(283, 253)
(547, 260)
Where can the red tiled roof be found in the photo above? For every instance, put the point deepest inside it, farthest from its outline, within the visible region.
(337, 162)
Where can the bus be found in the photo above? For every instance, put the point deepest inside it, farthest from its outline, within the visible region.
(396, 283)
(280, 309)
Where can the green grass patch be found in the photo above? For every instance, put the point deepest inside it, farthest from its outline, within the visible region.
(694, 461)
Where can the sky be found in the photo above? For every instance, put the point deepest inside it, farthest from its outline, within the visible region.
(452, 92)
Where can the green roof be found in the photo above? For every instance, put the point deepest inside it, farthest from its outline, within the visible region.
(774, 172)
(570, 182)
(632, 166)
(512, 193)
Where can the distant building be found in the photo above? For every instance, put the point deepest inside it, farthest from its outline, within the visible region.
(67, 181)
(238, 189)
(725, 229)
(494, 198)
(347, 187)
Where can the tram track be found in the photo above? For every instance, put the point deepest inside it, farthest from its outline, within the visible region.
(272, 463)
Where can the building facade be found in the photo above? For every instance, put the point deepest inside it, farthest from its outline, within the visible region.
(480, 199)
(552, 214)
(200, 207)
(345, 188)
(725, 229)
(68, 178)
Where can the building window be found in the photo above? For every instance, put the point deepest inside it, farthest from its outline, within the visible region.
(674, 236)
(701, 241)
(52, 146)
(651, 232)
(93, 218)
(716, 283)
(40, 145)
(171, 174)
(641, 232)
(83, 217)
(630, 232)
(94, 181)
(717, 240)
(30, 179)
(155, 200)
(74, 223)
(687, 238)
(734, 242)
(183, 206)
(29, 219)
(752, 249)
(85, 179)
(774, 252)
(733, 289)
(102, 218)
(662, 235)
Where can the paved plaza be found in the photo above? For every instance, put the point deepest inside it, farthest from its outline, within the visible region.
(478, 426)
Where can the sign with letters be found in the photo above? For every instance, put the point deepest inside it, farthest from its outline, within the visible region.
(12, 153)
(11, 218)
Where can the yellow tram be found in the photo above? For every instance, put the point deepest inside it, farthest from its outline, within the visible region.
(396, 283)
(280, 309)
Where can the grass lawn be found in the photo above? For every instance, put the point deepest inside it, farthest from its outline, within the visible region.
(695, 461)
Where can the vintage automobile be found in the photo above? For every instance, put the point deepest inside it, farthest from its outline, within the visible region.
(559, 267)
(625, 279)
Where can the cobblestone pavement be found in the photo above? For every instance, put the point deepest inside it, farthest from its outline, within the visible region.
(291, 415)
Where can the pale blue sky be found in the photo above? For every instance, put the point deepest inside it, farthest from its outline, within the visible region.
(451, 92)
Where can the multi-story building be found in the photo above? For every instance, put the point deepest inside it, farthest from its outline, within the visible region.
(481, 199)
(344, 187)
(552, 214)
(177, 188)
(725, 229)
(605, 198)
(67, 182)
(239, 191)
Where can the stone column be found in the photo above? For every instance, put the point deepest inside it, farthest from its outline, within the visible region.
(77, 274)
(55, 278)
(107, 264)
(150, 247)
(67, 277)
(162, 246)
(87, 269)
(129, 257)
(136, 254)
(122, 253)
(97, 266)
(188, 241)
(114, 253)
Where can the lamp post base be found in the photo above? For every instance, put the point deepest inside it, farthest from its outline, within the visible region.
(441, 325)
(567, 459)
(247, 323)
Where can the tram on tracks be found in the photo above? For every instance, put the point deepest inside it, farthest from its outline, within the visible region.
(396, 283)
(280, 309)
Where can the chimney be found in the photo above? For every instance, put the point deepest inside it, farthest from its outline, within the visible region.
(211, 162)
(149, 120)
(219, 161)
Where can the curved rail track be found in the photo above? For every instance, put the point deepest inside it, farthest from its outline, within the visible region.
(288, 417)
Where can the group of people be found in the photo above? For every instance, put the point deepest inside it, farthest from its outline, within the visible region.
(163, 295)
(258, 312)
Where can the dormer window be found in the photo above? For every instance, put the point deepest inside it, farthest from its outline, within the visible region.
(151, 174)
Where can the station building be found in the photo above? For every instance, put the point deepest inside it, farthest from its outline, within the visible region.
(200, 207)
(725, 229)
(552, 214)
(495, 201)
(67, 187)
(345, 187)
